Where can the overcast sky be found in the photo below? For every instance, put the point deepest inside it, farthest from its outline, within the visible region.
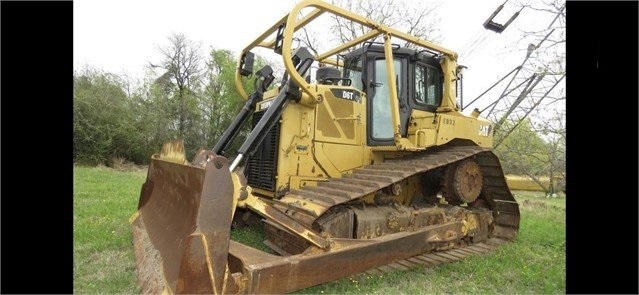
(123, 36)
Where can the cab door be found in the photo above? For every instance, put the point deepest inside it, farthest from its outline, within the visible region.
(380, 122)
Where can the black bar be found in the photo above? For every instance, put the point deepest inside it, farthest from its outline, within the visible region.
(266, 123)
(231, 132)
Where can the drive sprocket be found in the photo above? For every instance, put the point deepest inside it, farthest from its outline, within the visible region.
(462, 182)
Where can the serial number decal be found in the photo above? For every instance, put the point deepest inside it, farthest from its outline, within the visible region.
(264, 105)
(484, 130)
(351, 95)
(448, 121)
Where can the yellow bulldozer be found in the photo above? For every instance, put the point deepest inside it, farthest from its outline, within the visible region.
(369, 163)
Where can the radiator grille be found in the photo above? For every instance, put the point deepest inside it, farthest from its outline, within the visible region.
(261, 167)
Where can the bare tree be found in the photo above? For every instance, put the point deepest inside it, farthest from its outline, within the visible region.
(416, 18)
(557, 10)
(182, 66)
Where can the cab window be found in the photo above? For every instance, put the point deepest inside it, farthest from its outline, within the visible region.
(354, 73)
(428, 85)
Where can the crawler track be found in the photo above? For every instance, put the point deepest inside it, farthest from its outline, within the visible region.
(371, 178)
(439, 257)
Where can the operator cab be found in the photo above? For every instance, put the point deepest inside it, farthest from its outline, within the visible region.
(419, 80)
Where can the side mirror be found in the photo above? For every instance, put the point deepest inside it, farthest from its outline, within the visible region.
(246, 64)
(460, 71)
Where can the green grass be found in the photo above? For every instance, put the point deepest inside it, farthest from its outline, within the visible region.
(534, 263)
(103, 201)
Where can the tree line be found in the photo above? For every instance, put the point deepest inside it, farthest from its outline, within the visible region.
(186, 96)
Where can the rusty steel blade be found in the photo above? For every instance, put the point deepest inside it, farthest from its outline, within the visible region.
(270, 274)
(181, 230)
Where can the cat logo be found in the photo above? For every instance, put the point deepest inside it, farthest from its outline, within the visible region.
(485, 130)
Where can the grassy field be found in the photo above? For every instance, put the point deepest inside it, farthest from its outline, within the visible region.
(534, 263)
(103, 201)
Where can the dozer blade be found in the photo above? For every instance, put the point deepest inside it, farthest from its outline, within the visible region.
(181, 230)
